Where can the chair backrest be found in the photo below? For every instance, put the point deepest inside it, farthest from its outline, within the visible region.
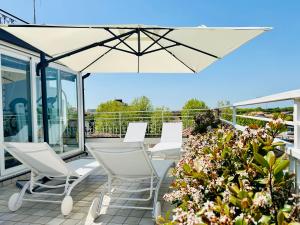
(39, 157)
(135, 132)
(171, 132)
(122, 159)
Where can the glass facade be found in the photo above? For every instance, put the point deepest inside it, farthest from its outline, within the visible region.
(69, 106)
(62, 110)
(16, 102)
(20, 115)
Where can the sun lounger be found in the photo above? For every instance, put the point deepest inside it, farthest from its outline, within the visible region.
(128, 163)
(170, 145)
(45, 163)
(135, 132)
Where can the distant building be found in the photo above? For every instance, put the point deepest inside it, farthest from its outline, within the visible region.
(91, 110)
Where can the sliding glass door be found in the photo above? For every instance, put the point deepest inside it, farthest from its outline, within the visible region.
(69, 110)
(62, 110)
(21, 102)
(16, 103)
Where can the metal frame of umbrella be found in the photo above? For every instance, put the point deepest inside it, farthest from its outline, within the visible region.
(155, 36)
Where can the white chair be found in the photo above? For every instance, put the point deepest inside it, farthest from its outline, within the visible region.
(170, 145)
(135, 132)
(44, 162)
(129, 164)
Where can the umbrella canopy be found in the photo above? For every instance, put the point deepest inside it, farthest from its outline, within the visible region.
(134, 48)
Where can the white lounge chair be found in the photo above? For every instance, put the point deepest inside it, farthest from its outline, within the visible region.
(44, 162)
(135, 132)
(170, 145)
(129, 164)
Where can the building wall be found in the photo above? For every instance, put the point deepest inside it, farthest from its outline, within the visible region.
(21, 109)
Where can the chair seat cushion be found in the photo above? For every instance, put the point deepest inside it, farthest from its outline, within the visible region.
(166, 148)
(83, 166)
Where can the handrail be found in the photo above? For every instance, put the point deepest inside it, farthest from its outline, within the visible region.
(292, 149)
(149, 111)
(283, 96)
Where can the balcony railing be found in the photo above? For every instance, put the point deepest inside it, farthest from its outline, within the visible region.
(114, 124)
(228, 114)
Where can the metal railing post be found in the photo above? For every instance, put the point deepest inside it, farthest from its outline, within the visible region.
(233, 115)
(120, 124)
(296, 119)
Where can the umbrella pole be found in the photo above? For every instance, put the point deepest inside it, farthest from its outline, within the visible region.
(41, 71)
(83, 108)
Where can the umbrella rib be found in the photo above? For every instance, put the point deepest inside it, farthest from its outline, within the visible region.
(171, 54)
(100, 43)
(94, 27)
(159, 49)
(118, 49)
(112, 33)
(157, 40)
(184, 45)
(104, 54)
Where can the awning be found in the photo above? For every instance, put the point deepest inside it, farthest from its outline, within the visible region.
(135, 48)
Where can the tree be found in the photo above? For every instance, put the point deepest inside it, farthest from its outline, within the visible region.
(190, 109)
(140, 109)
(141, 104)
(107, 120)
(194, 103)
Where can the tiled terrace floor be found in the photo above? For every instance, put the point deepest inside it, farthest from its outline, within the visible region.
(83, 194)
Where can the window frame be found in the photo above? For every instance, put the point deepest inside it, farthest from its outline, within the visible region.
(33, 59)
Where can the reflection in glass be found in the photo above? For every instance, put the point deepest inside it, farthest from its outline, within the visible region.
(15, 76)
(53, 109)
(69, 110)
(62, 110)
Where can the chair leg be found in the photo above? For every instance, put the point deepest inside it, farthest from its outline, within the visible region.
(109, 185)
(15, 200)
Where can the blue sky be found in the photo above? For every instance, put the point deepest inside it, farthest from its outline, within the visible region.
(267, 65)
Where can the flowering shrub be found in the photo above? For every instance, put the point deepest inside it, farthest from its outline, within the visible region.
(205, 121)
(232, 177)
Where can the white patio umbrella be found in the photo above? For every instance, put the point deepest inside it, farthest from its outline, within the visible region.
(134, 48)
(129, 48)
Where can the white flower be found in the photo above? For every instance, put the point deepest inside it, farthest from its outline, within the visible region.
(261, 199)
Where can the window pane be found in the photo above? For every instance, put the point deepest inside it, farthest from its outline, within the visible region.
(69, 110)
(62, 110)
(15, 75)
(53, 109)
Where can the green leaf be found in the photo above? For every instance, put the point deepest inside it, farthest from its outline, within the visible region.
(271, 158)
(286, 208)
(234, 189)
(240, 221)
(186, 167)
(243, 194)
(261, 160)
(280, 143)
(258, 169)
(281, 166)
(280, 218)
(168, 214)
(263, 180)
(228, 137)
(233, 200)
(226, 209)
(265, 220)
(268, 148)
